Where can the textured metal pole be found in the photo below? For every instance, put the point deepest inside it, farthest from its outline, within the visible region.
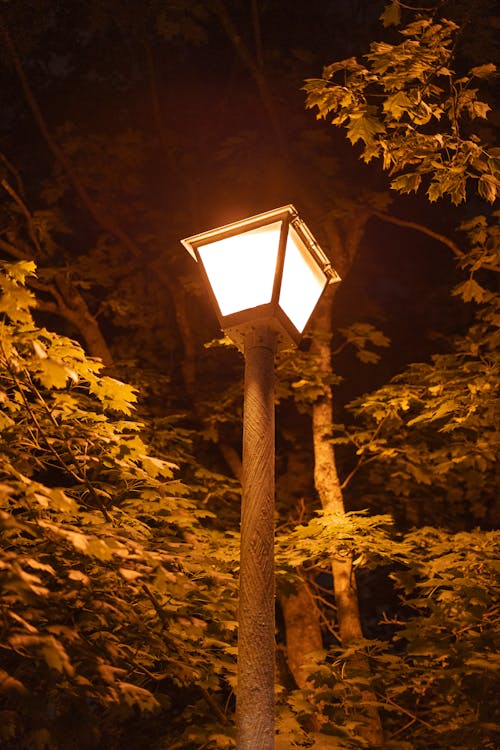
(256, 643)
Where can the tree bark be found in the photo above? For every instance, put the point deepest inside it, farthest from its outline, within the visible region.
(329, 490)
(303, 633)
(71, 305)
(67, 301)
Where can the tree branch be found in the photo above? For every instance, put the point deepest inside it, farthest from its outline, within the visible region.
(10, 249)
(29, 218)
(103, 219)
(12, 169)
(420, 228)
(257, 34)
(253, 67)
(70, 303)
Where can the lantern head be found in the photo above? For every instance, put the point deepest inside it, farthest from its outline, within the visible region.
(264, 270)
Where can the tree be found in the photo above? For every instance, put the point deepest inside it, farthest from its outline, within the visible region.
(117, 593)
(153, 151)
(404, 74)
(411, 110)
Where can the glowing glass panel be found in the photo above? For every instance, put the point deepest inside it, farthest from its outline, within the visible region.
(241, 268)
(303, 282)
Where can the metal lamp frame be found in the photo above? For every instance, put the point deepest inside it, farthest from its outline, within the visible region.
(239, 324)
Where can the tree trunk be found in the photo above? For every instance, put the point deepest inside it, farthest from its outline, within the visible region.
(304, 641)
(329, 490)
(301, 615)
(303, 632)
(67, 301)
(73, 306)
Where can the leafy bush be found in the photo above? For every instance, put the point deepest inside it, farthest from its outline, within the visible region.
(117, 590)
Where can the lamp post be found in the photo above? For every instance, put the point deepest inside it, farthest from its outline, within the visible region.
(265, 275)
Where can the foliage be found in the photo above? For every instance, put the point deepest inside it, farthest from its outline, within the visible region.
(118, 544)
(434, 669)
(425, 445)
(409, 108)
(302, 377)
(426, 450)
(432, 432)
(117, 593)
(446, 681)
(359, 536)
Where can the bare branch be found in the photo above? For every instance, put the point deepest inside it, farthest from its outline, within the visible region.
(103, 219)
(12, 169)
(12, 250)
(27, 215)
(420, 228)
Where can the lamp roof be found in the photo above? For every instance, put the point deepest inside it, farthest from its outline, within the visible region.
(252, 222)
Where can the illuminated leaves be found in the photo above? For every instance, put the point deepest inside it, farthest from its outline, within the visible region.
(484, 71)
(438, 655)
(471, 291)
(113, 394)
(407, 183)
(364, 128)
(488, 187)
(19, 271)
(133, 695)
(112, 580)
(410, 110)
(302, 377)
(362, 336)
(391, 15)
(330, 534)
(15, 299)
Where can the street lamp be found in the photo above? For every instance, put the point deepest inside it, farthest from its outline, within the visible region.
(265, 275)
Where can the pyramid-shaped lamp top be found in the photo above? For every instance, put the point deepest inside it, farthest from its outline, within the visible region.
(267, 268)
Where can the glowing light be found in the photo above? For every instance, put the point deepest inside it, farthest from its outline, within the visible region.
(264, 272)
(302, 284)
(241, 268)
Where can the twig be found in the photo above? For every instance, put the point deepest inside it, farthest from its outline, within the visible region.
(403, 710)
(11, 168)
(102, 219)
(157, 606)
(24, 210)
(164, 619)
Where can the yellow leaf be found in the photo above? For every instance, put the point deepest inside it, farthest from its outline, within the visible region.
(129, 575)
(8, 683)
(55, 655)
(435, 390)
(40, 350)
(483, 71)
(77, 575)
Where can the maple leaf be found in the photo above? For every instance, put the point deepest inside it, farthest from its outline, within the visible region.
(364, 128)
